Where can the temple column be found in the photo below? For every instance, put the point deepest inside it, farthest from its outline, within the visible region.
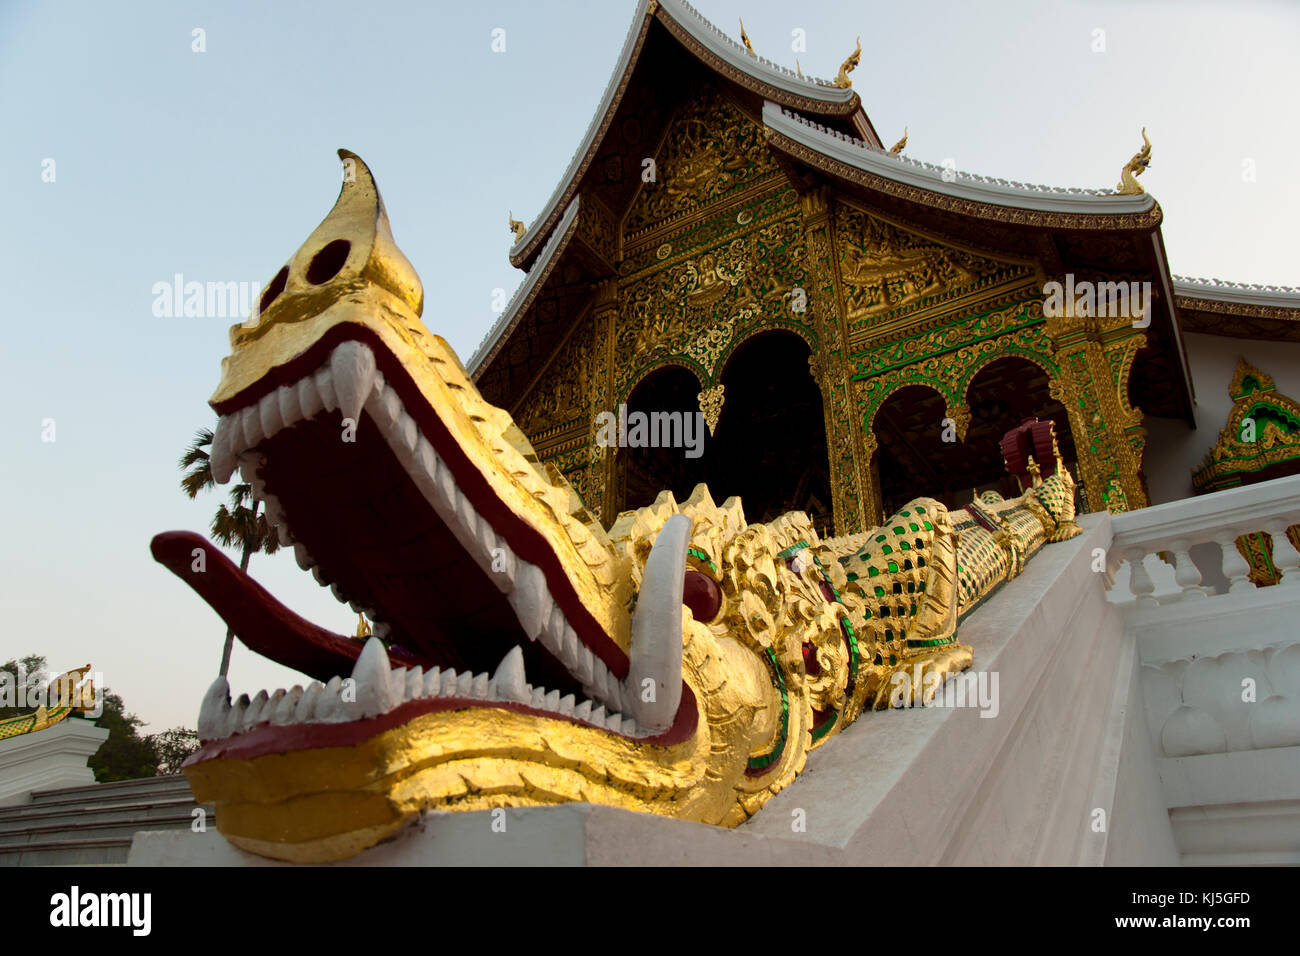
(601, 478)
(852, 503)
(1095, 356)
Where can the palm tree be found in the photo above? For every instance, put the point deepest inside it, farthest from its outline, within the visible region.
(237, 524)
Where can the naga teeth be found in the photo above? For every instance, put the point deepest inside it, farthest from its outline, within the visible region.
(222, 456)
(655, 665)
(352, 366)
(530, 598)
(215, 710)
(375, 694)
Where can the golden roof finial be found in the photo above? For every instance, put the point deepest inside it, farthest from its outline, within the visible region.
(901, 144)
(848, 66)
(517, 227)
(797, 68)
(352, 251)
(363, 626)
(744, 38)
(1135, 167)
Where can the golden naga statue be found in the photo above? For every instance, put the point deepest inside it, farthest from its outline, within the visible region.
(848, 66)
(1135, 167)
(901, 144)
(683, 662)
(70, 693)
(517, 227)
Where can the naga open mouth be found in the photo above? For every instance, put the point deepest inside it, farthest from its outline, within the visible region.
(471, 607)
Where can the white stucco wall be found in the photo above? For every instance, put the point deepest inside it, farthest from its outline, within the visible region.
(1173, 449)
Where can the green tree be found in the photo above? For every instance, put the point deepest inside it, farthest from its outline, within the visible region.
(125, 755)
(29, 665)
(237, 525)
(171, 747)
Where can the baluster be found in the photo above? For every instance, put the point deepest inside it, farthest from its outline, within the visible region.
(1235, 568)
(1186, 573)
(1140, 582)
(1285, 557)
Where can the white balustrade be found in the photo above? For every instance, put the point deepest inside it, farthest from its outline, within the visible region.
(1221, 517)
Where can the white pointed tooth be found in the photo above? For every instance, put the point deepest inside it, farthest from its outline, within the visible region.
(249, 462)
(222, 456)
(449, 684)
(598, 716)
(553, 634)
(414, 684)
(510, 682)
(428, 457)
(614, 722)
(504, 566)
(252, 422)
(375, 693)
(287, 707)
(464, 684)
(306, 708)
(656, 652)
(530, 598)
(444, 487)
(274, 513)
(433, 682)
(566, 705)
(397, 681)
(214, 712)
(268, 411)
(302, 557)
(536, 697)
(238, 714)
(409, 433)
(353, 367)
(466, 513)
(287, 398)
(284, 534)
(583, 710)
(582, 665)
(629, 728)
(552, 700)
(390, 406)
(308, 397)
(480, 688)
(329, 703)
(325, 388)
(611, 692)
(253, 713)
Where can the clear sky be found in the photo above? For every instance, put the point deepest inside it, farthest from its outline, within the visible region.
(218, 164)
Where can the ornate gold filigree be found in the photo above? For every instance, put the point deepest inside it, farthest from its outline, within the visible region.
(711, 406)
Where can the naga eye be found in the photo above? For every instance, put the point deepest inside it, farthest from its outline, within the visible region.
(702, 595)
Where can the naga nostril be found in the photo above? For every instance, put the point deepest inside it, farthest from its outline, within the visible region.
(325, 265)
(702, 595)
(274, 289)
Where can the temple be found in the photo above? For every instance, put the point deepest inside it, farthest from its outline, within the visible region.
(734, 238)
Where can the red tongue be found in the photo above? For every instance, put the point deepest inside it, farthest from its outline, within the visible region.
(265, 625)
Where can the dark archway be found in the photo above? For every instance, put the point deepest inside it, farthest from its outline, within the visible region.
(914, 459)
(643, 471)
(770, 443)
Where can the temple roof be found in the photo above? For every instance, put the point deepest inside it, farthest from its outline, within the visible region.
(1238, 309)
(717, 51)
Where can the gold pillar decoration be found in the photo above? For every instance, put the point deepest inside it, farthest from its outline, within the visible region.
(1096, 355)
(601, 485)
(853, 504)
(711, 406)
(960, 415)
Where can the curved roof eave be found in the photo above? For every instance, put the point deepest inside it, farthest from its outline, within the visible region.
(526, 292)
(715, 48)
(1099, 205)
(1217, 291)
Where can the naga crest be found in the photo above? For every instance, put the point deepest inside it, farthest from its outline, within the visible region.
(682, 662)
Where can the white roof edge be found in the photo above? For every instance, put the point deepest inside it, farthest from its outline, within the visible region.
(523, 294)
(1238, 293)
(717, 42)
(901, 169)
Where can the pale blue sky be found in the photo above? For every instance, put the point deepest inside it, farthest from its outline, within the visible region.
(218, 165)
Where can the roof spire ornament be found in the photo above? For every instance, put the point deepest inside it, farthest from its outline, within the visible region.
(848, 66)
(797, 68)
(744, 38)
(517, 227)
(901, 144)
(1135, 167)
